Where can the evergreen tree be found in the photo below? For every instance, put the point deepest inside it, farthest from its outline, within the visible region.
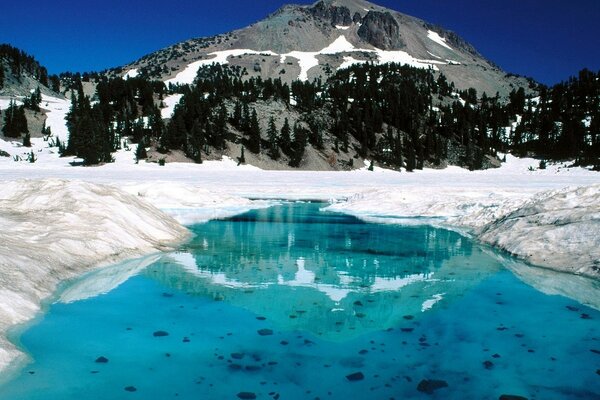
(285, 139)
(254, 134)
(27, 140)
(298, 145)
(55, 83)
(410, 156)
(15, 122)
(242, 157)
(273, 140)
(140, 152)
(1, 75)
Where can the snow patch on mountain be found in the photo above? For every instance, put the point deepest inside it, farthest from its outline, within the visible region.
(306, 59)
(438, 39)
(350, 61)
(132, 73)
(56, 112)
(170, 102)
(187, 76)
(5, 102)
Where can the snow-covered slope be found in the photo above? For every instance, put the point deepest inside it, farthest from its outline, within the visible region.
(55, 230)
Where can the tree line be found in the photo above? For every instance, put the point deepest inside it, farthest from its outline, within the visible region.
(397, 115)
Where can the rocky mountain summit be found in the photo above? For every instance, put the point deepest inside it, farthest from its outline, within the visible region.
(309, 42)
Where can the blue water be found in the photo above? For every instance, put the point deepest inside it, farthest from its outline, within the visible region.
(286, 302)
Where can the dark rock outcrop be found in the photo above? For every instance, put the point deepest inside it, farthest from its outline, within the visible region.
(337, 15)
(381, 30)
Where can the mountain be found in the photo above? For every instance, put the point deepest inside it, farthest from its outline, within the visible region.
(21, 73)
(308, 42)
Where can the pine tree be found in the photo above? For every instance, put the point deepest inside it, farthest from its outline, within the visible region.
(410, 157)
(254, 134)
(236, 118)
(298, 145)
(1, 75)
(140, 152)
(241, 158)
(15, 122)
(273, 140)
(27, 140)
(285, 139)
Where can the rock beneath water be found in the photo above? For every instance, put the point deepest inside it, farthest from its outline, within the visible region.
(357, 376)
(160, 334)
(431, 385)
(246, 395)
(511, 397)
(131, 389)
(101, 360)
(488, 364)
(237, 356)
(265, 332)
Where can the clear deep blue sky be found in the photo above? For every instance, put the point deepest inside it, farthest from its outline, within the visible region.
(548, 40)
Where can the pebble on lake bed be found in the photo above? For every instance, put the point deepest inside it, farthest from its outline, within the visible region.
(430, 385)
(357, 376)
(246, 395)
(160, 334)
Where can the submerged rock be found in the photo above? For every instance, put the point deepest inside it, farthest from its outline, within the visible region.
(430, 385)
(131, 389)
(246, 395)
(101, 360)
(357, 376)
(160, 334)
(511, 397)
(265, 332)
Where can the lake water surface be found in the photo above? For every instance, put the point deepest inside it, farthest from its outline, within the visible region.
(291, 302)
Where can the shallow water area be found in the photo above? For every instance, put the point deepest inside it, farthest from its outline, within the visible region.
(291, 302)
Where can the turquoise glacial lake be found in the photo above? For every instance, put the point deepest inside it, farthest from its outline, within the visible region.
(291, 302)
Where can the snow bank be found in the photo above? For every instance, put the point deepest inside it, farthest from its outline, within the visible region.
(190, 204)
(53, 230)
(557, 229)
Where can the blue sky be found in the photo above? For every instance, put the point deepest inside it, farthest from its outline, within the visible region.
(548, 40)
